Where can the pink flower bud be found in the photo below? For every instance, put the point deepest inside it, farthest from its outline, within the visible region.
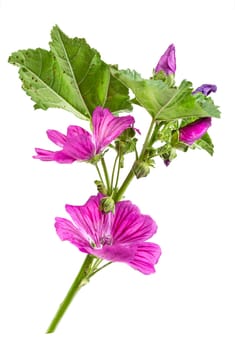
(167, 62)
(194, 131)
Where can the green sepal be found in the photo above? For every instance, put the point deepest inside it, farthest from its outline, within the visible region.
(205, 143)
(141, 168)
(126, 146)
(169, 79)
(126, 142)
(96, 158)
(107, 204)
(167, 152)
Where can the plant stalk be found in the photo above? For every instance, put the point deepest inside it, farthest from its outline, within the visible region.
(106, 174)
(131, 173)
(80, 280)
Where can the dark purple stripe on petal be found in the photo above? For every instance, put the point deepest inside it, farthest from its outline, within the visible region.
(44, 155)
(57, 137)
(107, 127)
(130, 226)
(114, 237)
(146, 256)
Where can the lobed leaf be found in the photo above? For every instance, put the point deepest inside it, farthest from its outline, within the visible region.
(71, 76)
(164, 102)
(43, 80)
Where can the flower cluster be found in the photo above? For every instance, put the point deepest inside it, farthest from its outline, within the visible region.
(120, 234)
(107, 227)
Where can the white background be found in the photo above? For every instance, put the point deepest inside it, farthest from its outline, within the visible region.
(189, 302)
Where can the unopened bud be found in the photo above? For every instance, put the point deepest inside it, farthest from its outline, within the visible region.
(194, 131)
(107, 204)
(100, 187)
(167, 62)
(206, 89)
(141, 169)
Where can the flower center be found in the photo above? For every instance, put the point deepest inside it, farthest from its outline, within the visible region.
(106, 239)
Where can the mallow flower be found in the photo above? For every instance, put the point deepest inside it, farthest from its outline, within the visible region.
(206, 89)
(194, 131)
(118, 237)
(79, 144)
(167, 62)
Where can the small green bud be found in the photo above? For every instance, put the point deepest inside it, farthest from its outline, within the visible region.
(100, 187)
(129, 133)
(120, 146)
(141, 169)
(169, 156)
(107, 204)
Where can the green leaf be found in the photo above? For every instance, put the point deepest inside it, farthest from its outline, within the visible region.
(43, 80)
(187, 121)
(205, 143)
(208, 105)
(71, 76)
(164, 102)
(117, 99)
(83, 70)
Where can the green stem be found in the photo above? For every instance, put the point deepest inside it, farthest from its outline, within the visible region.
(101, 268)
(119, 167)
(124, 186)
(113, 172)
(156, 130)
(131, 173)
(106, 174)
(118, 171)
(99, 173)
(79, 281)
(148, 137)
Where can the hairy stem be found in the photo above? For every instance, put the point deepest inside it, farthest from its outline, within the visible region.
(80, 280)
(131, 173)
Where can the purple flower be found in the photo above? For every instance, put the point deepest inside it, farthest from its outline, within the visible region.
(206, 89)
(194, 131)
(118, 236)
(167, 62)
(79, 144)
